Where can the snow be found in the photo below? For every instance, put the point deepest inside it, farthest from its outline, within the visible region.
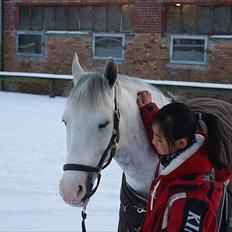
(32, 142)
(68, 32)
(221, 36)
(36, 75)
(190, 84)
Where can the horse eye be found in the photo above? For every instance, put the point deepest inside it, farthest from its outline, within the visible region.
(64, 122)
(102, 125)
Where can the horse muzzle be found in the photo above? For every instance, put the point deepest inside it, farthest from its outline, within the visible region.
(72, 190)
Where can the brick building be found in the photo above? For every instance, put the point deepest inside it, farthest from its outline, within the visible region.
(153, 39)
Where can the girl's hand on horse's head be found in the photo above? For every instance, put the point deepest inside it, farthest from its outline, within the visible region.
(144, 98)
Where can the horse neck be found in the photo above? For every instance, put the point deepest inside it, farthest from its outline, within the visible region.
(135, 155)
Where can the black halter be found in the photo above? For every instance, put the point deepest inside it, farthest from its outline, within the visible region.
(102, 163)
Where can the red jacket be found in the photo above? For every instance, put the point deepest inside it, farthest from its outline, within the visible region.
(186, 194)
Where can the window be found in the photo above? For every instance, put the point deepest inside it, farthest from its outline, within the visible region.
(100, 18)
(198, 19)
(29, 43)
(188, 14)
(74, 18)
(97, 18)
(85, 18)
(49, 15)
(24, 19)
(188, 49)
(36, 20)
(127, 17)
(114, 18)
(204, 23)
(173, 19)
(220, 19)
(61, 23)
(108, 45)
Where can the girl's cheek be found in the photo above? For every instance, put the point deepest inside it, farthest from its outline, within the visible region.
(155, 143)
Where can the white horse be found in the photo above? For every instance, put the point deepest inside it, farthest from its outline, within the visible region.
(89, 119)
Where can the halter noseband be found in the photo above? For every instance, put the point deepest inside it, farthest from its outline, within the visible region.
(102, 163)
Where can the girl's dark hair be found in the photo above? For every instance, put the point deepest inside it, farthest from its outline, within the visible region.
(177, 120)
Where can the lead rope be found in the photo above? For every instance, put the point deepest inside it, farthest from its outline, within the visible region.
(84, 216)
(83, 213)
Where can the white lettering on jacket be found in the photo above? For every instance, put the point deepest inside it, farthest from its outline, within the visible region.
(193, 222)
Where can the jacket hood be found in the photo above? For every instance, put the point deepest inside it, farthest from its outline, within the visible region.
(183, 159)
(193, 160)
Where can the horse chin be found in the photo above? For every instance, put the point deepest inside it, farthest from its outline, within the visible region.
(73, 204)
(82, 204)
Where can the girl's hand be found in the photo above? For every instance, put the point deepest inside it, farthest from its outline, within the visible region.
(144, 98)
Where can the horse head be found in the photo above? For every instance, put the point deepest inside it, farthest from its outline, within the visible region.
(91, 120)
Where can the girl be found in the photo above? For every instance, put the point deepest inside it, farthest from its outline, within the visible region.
(187, 189)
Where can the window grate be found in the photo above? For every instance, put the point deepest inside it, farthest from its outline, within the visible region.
(188, 49)
(108, 45)
(29, 43)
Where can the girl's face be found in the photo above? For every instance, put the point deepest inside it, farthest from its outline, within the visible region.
(161, 143)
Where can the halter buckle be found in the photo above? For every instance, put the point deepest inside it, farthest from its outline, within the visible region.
(114, 145)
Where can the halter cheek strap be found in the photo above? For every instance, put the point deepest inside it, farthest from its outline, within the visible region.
(102, 163)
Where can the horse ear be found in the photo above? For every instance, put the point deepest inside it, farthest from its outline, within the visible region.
(111, 71)
(77, 70)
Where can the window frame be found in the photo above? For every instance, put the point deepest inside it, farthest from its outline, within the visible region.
(69, 27)
(211, 5)
(202, 37)
(116, 35)
(29, 33)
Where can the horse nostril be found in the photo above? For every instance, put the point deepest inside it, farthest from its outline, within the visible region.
(79, 189)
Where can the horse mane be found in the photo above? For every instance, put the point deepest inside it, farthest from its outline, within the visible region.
(134, 84)
(92, 89)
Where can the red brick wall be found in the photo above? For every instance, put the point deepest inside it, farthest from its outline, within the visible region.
(148, 17)
(146, 54)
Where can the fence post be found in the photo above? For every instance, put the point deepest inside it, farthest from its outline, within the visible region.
(52, 87)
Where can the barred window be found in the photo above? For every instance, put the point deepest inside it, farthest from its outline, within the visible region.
(108, 45)
(188, 49)
(98, 18)
(29, 43)
(198, 19)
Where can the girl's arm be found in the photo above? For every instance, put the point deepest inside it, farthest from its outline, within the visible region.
(148, 110)
(188, 215)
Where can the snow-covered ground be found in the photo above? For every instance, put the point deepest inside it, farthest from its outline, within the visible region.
(32, 152)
